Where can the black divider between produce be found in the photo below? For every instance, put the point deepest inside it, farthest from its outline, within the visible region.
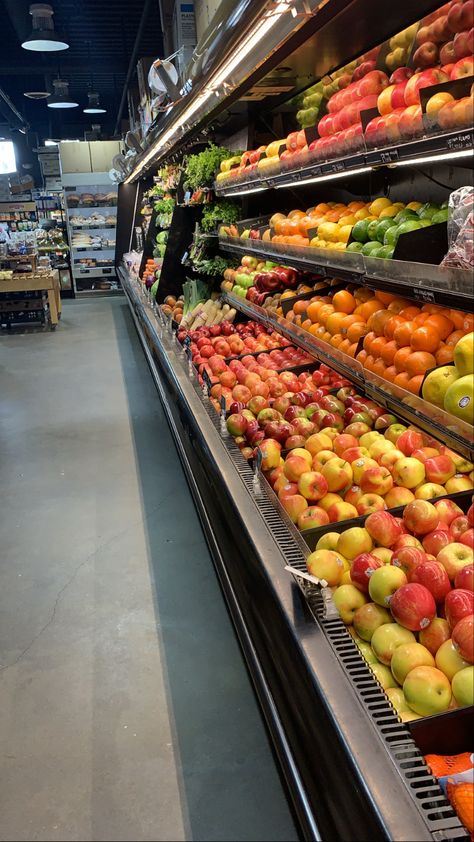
(334, 729)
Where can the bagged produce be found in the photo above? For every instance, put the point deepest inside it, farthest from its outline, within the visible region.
(461, 229)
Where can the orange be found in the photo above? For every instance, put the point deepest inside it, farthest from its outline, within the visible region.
(370, 307)
(289, 293)
(361, 357)
(326, 336)
(314, 328)
(400, 358)
(344, 302)
(425, 338)
(445, 354)
(363, 294)
(457, 317)
(379, 367)
(410, 312)
(403, 333)
(414, 383)
(454, 337)
(398, 304)
(468, 323)
(299, 307)
(352, 320)
(369, 362)
(324, 313)
(421, 319)
(391, 325)
(376, 347)
(377, 321)
(390, 373)
(368, 339)
(356, 331)
(419, 362)
(352, 349)
(388, 352)
(336, 340)
(296, 214)
(306, 324)
(290, 316)
(385, 297)
(334, 322)
(344, 346)
(441, 323)
(313, 310)
(432, 308)
(402, 379)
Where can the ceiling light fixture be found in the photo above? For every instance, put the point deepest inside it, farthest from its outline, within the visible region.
(37, 94)
(43, 38)
(94, 106)
(61, 97)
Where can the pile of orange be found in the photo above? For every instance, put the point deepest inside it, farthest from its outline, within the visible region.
(400, 340)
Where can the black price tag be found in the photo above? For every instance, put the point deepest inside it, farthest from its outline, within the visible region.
(258, 459)
(207, 380)
(187, 343)
(311, 233)
(338, 166)
(189, 355)
(316, 171)
(424, 295)
(389, 156)
(223, 406)
(311, 133)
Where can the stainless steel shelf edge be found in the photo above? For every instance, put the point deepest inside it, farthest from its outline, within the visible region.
(332, 742)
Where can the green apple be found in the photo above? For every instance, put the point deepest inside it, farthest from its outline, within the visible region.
(387, 638)
(463, 687)
(368, 618)
(328, 541)
(394, 431)
(448, 659)
(384, 582)
(395, 694)
(352, 542)
(427, 690)
(369, 438)
(383, 675)
(408, 656)
(409, 715)
(365, 650)
(347, 600)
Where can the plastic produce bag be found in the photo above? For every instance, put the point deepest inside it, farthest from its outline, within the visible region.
(461, 229)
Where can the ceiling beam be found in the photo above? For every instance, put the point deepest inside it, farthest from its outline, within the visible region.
(133, 60)
(106, 68)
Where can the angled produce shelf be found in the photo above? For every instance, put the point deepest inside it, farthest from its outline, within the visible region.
(458, 434)
(305, 169)
(421, 281)
(332, 726)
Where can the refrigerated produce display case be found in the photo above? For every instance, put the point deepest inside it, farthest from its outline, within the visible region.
(314, 359)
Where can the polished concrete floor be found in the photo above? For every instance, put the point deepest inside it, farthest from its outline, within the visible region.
(126, 712)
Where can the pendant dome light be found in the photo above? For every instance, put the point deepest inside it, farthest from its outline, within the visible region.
(94, 106)
(43, 38)
(61, 97)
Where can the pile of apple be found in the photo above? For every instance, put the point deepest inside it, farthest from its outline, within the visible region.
(404, 587)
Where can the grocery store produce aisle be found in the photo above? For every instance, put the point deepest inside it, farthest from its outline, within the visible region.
(126, 711)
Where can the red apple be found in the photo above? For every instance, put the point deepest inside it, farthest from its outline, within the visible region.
(408, 558)
(409, 441)
(439, 468)
(413, 606)
(435, 541)
(312, 517)
(420, 517)
(464, 44)
(459, 603)
(458, 526)
(383, 528)
(461, 16)
(463, 637)
(437, 633)
(411, 121)
(465, 578)
(372, 83)
(401, 74)
(433, 576)
(463, 67)
(361, 570)
(426, 55)
(467, 538)
(271, 451)
(470, 514)
(425, 79)
(294, 505)
(448, 510)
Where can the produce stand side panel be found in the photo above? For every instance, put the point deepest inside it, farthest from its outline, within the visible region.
(180, 235)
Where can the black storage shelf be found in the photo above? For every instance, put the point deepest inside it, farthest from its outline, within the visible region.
(421, 281)
(333, 728)
(457, 434)
(416, 150)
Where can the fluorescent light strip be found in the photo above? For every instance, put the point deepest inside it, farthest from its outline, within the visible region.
(426, 159)
(329, 177)
(260, 31)
(244, 192)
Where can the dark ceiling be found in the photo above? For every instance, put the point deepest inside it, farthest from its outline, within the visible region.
(101, 35)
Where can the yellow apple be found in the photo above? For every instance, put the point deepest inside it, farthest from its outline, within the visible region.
(328, 541)
(352, 542)
(408, 656)
(383, 675)
(463, 687)
(387, 638)
(448, 659)
(327, 565)
(427, 690)
(464, 355)
(347, 600)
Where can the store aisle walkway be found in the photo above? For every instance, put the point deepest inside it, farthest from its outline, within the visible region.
(126, 712)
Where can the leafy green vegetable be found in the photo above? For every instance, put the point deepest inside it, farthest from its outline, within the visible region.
(164, 206)
(194, 292)
(201, 169)
(221, 211)
(214, 266)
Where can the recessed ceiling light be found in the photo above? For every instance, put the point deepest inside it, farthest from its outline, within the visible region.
(61, 97)
(94, 106)
(43, 38)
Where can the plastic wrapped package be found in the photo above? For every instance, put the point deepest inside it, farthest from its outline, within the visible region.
(461, 229)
